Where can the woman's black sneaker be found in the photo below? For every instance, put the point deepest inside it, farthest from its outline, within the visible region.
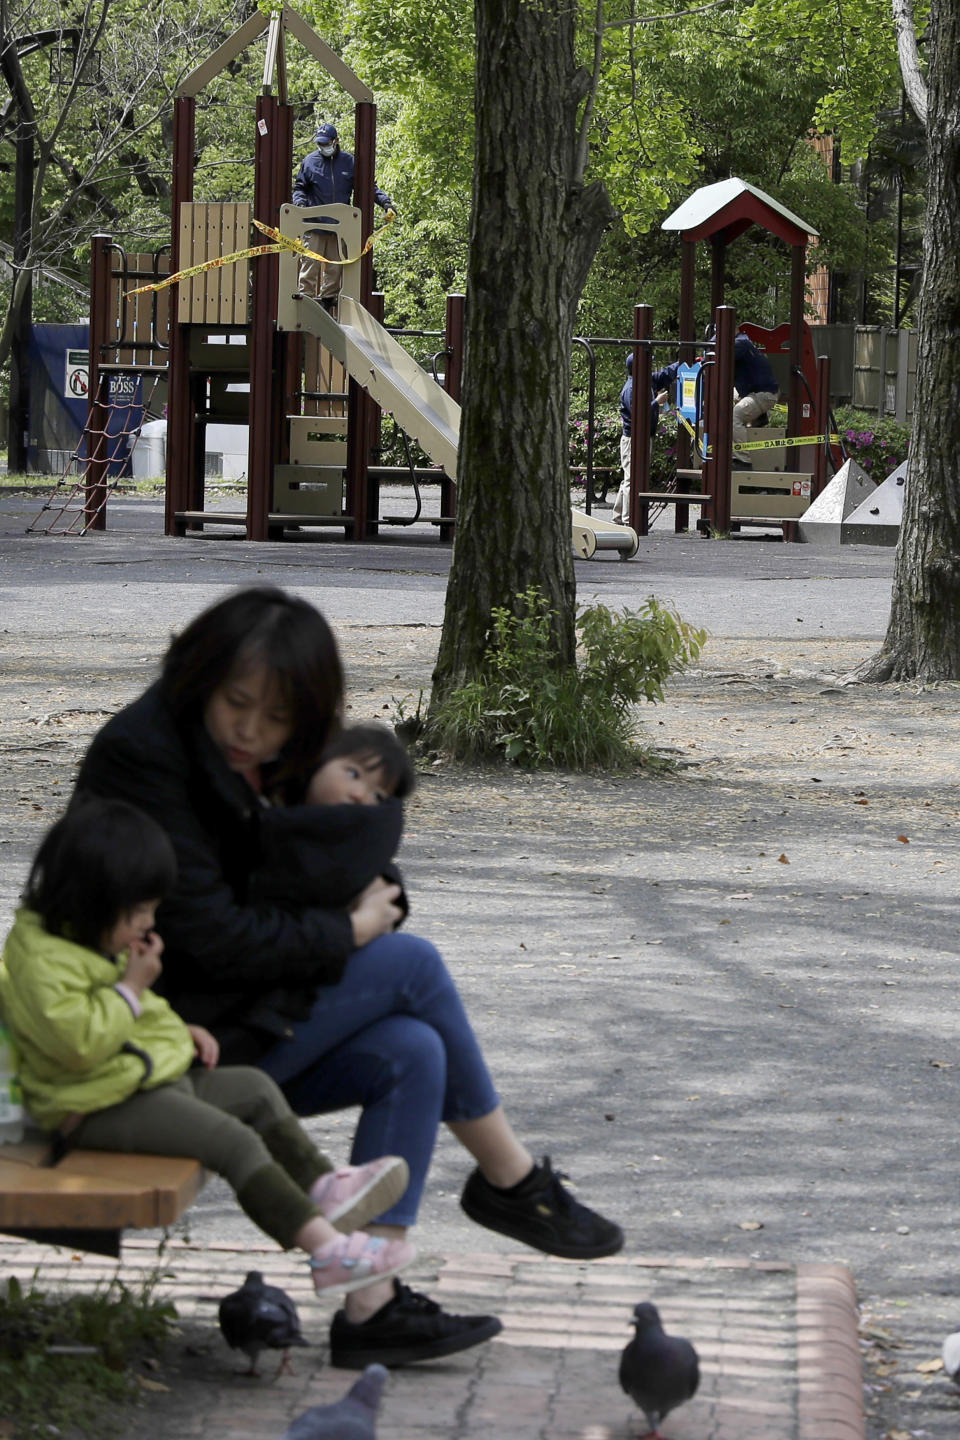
(542, 1213)
(408, 1328)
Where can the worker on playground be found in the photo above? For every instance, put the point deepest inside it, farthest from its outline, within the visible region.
(659, 382)
(755, 389)
(326, 177)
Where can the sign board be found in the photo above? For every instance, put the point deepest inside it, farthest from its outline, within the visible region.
(76, 380)
(687, 391)
(123, 389)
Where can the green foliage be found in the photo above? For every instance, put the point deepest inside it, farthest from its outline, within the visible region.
(526, 709)
(45, 1388)
(877, 445)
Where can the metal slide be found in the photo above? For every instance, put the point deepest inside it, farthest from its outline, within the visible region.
(419, 405)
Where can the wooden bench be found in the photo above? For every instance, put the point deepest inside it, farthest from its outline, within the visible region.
(91, 1196)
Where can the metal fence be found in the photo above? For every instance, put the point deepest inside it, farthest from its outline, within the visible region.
(873, 367)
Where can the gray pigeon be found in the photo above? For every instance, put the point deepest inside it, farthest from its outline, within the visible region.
(352, 1418)
(658, 1371)
(260, 1317)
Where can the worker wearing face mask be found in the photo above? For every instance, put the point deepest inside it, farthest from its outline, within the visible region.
(326, 178)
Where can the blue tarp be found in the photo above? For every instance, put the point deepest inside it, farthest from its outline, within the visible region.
(59, 381)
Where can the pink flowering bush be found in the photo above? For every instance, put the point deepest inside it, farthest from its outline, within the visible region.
(877, 445)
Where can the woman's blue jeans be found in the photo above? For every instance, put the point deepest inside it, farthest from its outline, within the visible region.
(394, 1038)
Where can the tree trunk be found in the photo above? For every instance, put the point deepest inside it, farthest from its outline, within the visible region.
(923, 637)
(534, 232)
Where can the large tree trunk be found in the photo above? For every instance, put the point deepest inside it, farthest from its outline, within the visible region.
(534, 232)
(923, 637)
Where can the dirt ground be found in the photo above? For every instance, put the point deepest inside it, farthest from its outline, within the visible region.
(725, 996)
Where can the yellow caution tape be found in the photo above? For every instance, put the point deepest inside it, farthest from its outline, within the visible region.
(207, 265)
(763, 444)
(780, 444)
(301, 249)
(283, 242)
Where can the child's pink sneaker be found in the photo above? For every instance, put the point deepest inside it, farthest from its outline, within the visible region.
(348, 1198)
(352, 1261)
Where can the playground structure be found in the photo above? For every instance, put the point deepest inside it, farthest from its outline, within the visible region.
(732, 499)
(238, 343)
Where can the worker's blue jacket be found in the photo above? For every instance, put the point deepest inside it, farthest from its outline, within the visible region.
(751, 369)
(328, 180)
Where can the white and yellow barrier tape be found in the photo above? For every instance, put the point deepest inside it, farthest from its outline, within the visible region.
(282, 242)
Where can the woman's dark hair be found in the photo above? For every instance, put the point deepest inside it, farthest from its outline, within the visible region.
(379, 743)
(262, 626)
(103, 858)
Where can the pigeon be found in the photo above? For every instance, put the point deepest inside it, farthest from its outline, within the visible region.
(951, 1356)
(260, 1317)
(657, 1370)
(352, 1418)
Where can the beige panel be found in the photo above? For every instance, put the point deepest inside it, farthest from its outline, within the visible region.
(198, 254)
(308, 490)
(769, 493)
(227, 275)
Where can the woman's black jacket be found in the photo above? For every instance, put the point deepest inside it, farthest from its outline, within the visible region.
(240, 963)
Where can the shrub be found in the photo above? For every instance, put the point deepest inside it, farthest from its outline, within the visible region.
(525, 709)
(877, 445)
(66, 1361)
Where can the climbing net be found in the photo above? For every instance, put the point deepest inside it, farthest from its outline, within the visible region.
(107, 443)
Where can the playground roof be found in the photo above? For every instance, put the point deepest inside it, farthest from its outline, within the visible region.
(733, 206)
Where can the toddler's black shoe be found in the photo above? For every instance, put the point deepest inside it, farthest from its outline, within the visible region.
(541, 1212)
(408, 1328)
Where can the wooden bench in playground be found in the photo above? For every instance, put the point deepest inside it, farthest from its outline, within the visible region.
(89, 1198)
(681, 498)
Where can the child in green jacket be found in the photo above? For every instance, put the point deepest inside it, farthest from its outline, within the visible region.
(105, 1064)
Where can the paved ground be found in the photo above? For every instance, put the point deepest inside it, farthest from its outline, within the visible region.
(778, 1347)
(723, 999)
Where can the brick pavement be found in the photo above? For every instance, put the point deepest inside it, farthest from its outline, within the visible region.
(780, 1355)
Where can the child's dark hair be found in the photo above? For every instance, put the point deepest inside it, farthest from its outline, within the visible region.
(378, 742)
(262, 626)
(103, 858)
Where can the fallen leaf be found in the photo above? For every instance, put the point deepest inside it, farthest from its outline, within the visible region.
(898, 1435)
(861, 802)
(929, 1367)
(783, 860)
(903, 840)
(146, 1384)
(941, 1064)
(749, 1224)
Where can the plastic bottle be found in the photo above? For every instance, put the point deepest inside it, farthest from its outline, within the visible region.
(11, 1106)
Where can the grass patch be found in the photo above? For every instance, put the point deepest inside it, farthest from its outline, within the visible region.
(67, 1361)
(526, 709)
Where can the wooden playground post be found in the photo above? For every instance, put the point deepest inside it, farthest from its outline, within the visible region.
(359, 405)
(266, 373)
(640, 418)
(95, 489)
(181, 439)
(798, 290)
(823, 424)
(453, 384)
(720, 418)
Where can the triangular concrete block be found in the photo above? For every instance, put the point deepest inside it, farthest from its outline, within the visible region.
(820, 524)
(877, 520)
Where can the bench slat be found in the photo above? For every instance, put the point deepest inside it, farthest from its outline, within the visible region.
(94, 1189)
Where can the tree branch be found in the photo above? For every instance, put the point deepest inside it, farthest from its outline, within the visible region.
(656, 19)
(583, 138)
(913, 80)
